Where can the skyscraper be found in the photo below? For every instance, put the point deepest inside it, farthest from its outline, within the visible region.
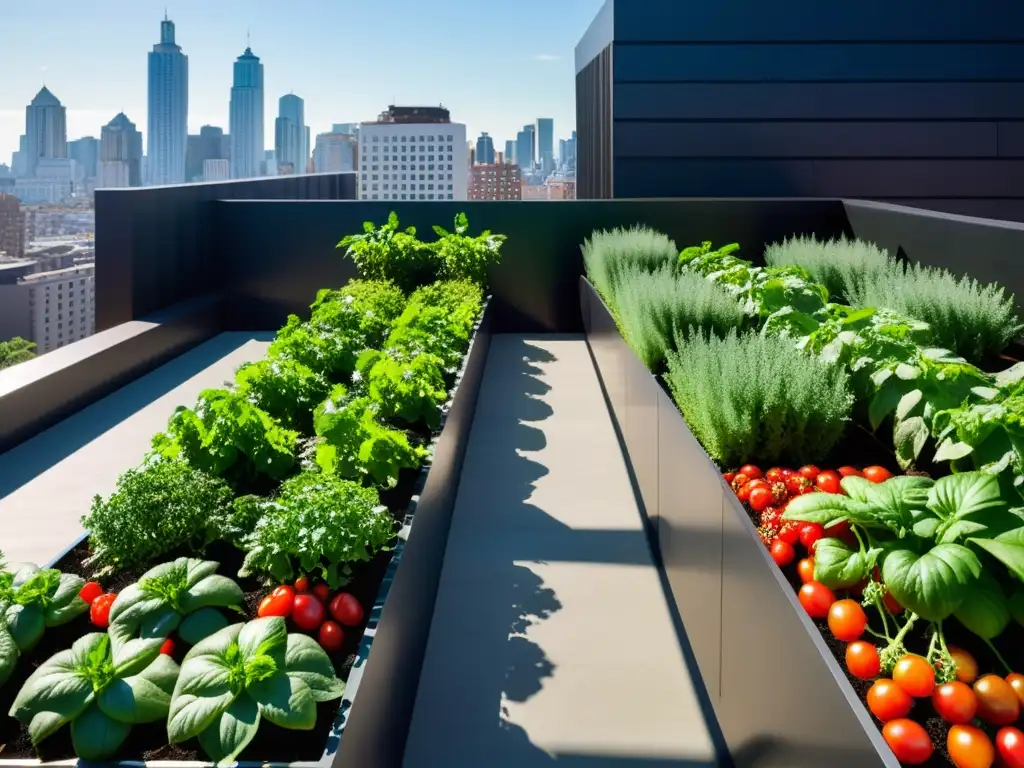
(120, 153)
(485, 150)
(209, 144)
(291, 136)
(86, 152)
(167, 127)
(510, 151)
(46, 133)
(246, 118)
(526, 148)
(546, 144)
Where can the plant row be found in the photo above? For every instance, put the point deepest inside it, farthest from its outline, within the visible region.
(284, 466)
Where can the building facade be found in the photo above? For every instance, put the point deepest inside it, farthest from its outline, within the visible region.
(495, 181)
(167, 126)
(545, 132)
(86, 152)
(46, 131)
(291, 134)
(246, 116)
(413, 153)
(208, 144)
(120, 153)
(510, 151)
(216, 170)
(335, 153)
(484, 150)
(62, 305)
(918, 103)
(12, 227)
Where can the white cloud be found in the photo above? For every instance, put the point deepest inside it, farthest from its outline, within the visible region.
(545, 57)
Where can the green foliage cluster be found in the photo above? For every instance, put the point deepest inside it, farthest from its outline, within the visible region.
(466, 257)
(608, 253)
(840, 264)
(285, 389)
(750, 396)
(15, 351)
(364, 309)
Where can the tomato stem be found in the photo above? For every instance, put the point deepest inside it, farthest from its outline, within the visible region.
(860, 541)
(883, 612)
(879, 635)
(996, 653)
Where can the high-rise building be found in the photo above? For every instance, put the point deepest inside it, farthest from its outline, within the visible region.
(495, 181)
(545, 142)
(120, 153)
(526, 148)
(86, 152)
(334, 153)
(247, 150)
(510, 151)
(352, 129)
(46, 132)
(571, 151)
(208, 144)
(12, 227)
(291, 135)
(484, 150)
(216, 170)
(167, 127)
(413, 153)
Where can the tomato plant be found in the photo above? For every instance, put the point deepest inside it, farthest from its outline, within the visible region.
(738, 481)
(887, 701)
(771, 517)
(876, 474)
(782, 553)
(955, 702)
(862, 660)
(1016, 681)
(966, 666)
(167, 649)
(914, 675)
(750, 471)
(90, 591)
(308, 612)
(346, 610)
(908, 741)
(805, 568)
(775, 475)
(997, 701)
(809, 472)
(828, 481)
(970, 747)
(811, 534)
(302, 584)
(1010, 746)
(849, 471)
(816, 599)
(796, 484)
(760, 498)
(331, 636)
(99, 611)
(847, 620)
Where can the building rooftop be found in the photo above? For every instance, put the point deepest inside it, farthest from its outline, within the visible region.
(413, 115)
(45, 99)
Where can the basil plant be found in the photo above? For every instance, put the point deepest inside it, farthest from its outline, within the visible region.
(243, 674)
(100, 698)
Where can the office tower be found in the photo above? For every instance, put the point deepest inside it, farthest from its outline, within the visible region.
(413, 153)
(120, 153)
(216, 170)
(167, 127)
(86, 152)
(334, 153)
(526, 144)
(291, 135)
(46, 133)
(545, 142)
(571, 146)
(485, 150)
(510, 151)
(246, 118)
(208, 144)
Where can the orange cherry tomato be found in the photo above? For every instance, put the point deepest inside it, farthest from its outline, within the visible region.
(908, 741)
(876, 474)
(847, 620)
(90, 591)
(806, 569)
(816, 599)
(970, 747)
(887, 701)
(1016, 681)
(955, 702)
(850, 471)
(862, 660)
(997, 701)
(966, 666)
(99, 610)
(914, 675)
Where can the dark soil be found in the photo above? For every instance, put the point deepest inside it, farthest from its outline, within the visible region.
(1013, 354)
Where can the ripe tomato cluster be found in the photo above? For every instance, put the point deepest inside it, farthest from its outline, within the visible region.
(99, 603)
(308, 605)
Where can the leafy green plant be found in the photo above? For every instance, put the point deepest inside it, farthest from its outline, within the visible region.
(329, 352)
(244, 674)
(607, 253)
(388, 253)
(100, 698)
(15, 351)
(654, 307)
(32, 599)
(411, 389)
(465, 257)
(286, 389)
(355, 445)
(363, 309)
(154, 509)
(164, 595)
(318, 523)
(967, 317)
(423, 329)
(750, 396)
(226, 435)
(840, 264)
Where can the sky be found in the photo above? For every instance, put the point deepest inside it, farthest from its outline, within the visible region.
(495, 64)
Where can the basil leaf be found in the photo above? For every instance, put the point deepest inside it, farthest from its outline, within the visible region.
(22, 573)
(133, 656)
(306, 660)
(952, 450)
(984, 611)
(138, 699)
(836, 565)
(57, 685)
(9, 654)
(286, 701)
(909, 438)
(132, 605)
(264, 637)
(1016, 604)
(934, 584)
(215, 591)
(883, 403)
(823, 508)
(96, 736)
(1007, 548)
(26, 623)
(857, 488)
(964, 494)
(908, 403)
(197, 570)
(199, 625)
(190, 714)
(45, 724)
(232, 731)
(65, 603)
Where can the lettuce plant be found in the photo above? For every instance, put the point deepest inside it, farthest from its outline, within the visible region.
(411, 389)
(284, 388)
(461, 300)
(463, 256)
(321, 348)
(317, 523)
(363, 308)
(101, 698)
(389, 253)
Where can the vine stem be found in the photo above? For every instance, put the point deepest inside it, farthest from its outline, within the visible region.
(860, 541)
(905, 629)
(883, 611)
(932, 644)
(879, 635)
(996, 653)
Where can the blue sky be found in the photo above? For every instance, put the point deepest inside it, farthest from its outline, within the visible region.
(496, 64)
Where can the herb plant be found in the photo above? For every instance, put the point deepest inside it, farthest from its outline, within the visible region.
(318, 346)
(464, 257)
(101, 698)
(747, 396)
(388, 253)
(317, 524)
(462, 300)
(606, 253)
(841, 265)
(423, 328)
(409, 388)
(226, 435)
(285, 389)
(244, 674)
(154, 509)
(363, 309)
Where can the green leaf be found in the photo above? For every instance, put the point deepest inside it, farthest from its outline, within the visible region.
(197, 570)
(306, 660)
(190, 715)
(857, 488)
(823, 508)
(883, 403)
(57, 685)
(96, 736)
(9, 654)
(212, 591)
(26, 624)
(65, 603)
(908, 403)
(894, 502)
(965, 494)
(837, 566)
(934, 584)
(286, 701)
(1016, 604)
(232, 731)
(141, 698)
(984, 610)
(264, 637)
(952, 450)
(43, 725)
(203, 691)
(1007, 548)
(909, 438)
(133, 656)
(133, 604)
(201, 624)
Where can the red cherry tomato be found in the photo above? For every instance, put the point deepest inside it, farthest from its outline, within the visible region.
(876, 474)
(738, 481)
(277, 603)
(862, 660)
(729, 477)
(828, 481)
(816, 599)
(331, 637)
(167, 649)
(810, 534)
(782, 553)
(775, 475)
(970, 747)
(99, 610)
(847, 620)
(967, 667)
(805, 568)
(302, 584)
(789, 532)
(997, 701)
(914, 675)
(761, 497)
(1010, 746)
(322, 592)
(90, 591)
(346, 610)
(810, 472)
(283, 591)
(848, 471)
(887, 701)
(908, 741)
(308, 612)
(750, 471)
(1016, 682)
(955, 702)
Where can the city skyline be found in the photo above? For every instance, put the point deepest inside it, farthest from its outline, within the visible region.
(340, 78)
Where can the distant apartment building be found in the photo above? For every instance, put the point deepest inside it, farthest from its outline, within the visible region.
(413, 153)
(554, 188)
(495, 181)
(216, 170)
(86, 152)
(57, 221)
(12, 227)
(52, 309)
(335, 153)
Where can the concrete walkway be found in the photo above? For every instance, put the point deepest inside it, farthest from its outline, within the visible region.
(47, 483)
(551, 643)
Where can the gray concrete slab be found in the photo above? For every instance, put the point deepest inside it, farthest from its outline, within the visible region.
(552, 642)
(47, 483)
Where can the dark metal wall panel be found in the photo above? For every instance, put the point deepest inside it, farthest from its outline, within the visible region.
(808, 20)
(642, 391)
(818, 61)
(993, 208)
(594, 128)
(819, 101)
(817, 139)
